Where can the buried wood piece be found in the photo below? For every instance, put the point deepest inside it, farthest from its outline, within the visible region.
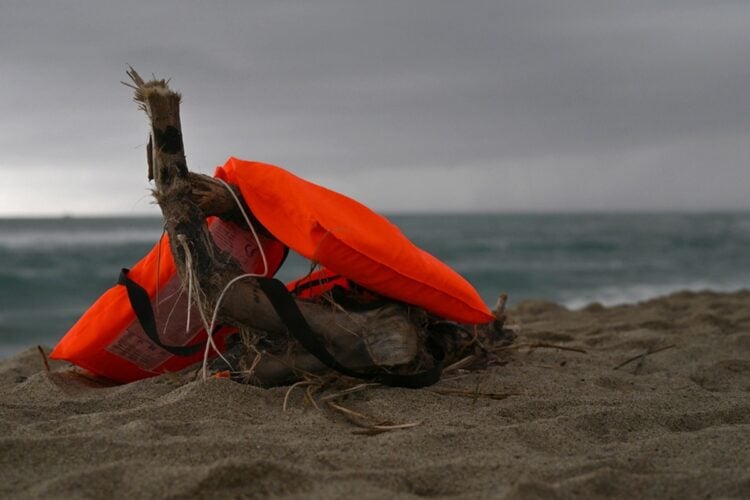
(391, 337)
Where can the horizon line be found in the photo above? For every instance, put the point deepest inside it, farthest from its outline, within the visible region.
(125, 215)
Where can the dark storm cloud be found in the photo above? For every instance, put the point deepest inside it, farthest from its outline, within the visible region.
(408, 105)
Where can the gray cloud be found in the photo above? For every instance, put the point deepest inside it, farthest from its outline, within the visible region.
(420, 105)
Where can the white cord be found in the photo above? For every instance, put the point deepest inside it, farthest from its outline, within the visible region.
(189, 262)
(215, 314)
(252, 228)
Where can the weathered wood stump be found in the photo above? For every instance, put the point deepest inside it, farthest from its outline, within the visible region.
(392, 337)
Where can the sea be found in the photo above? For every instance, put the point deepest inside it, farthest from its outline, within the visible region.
(53, 269)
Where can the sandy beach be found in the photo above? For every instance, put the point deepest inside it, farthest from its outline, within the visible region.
(658, 405)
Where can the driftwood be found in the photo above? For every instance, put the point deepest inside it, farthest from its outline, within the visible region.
(391, 337)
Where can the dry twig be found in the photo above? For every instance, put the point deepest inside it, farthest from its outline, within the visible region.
(538, 345)
(291, 388)
(475, 394)
(44, 358)
(350, 390)
(644, 354)
(366, 422)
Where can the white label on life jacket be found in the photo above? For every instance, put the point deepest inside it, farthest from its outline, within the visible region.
(170, 304)
(240, 244)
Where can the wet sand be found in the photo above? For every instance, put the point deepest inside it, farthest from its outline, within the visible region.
(657, 406)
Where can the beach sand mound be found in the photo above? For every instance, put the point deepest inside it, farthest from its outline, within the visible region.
(657, 406)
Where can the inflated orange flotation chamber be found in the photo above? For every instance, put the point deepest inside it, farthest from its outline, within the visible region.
(351, 240)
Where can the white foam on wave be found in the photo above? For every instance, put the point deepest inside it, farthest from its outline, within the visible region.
(628, 294)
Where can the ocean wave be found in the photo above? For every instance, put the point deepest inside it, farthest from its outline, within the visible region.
(51, 270)
(499, 264)
(50, 239)
(629, 294)
(743, 225)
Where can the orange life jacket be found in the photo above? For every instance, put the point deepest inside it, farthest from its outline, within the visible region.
(111, 341)
(351, 240)
(347, 238)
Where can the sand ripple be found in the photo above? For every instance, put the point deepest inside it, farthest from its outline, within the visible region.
(673, 423)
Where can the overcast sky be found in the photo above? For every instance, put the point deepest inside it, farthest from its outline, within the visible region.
(405, 105)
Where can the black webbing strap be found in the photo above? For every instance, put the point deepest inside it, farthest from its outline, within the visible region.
(285, 306)
(141, 304)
